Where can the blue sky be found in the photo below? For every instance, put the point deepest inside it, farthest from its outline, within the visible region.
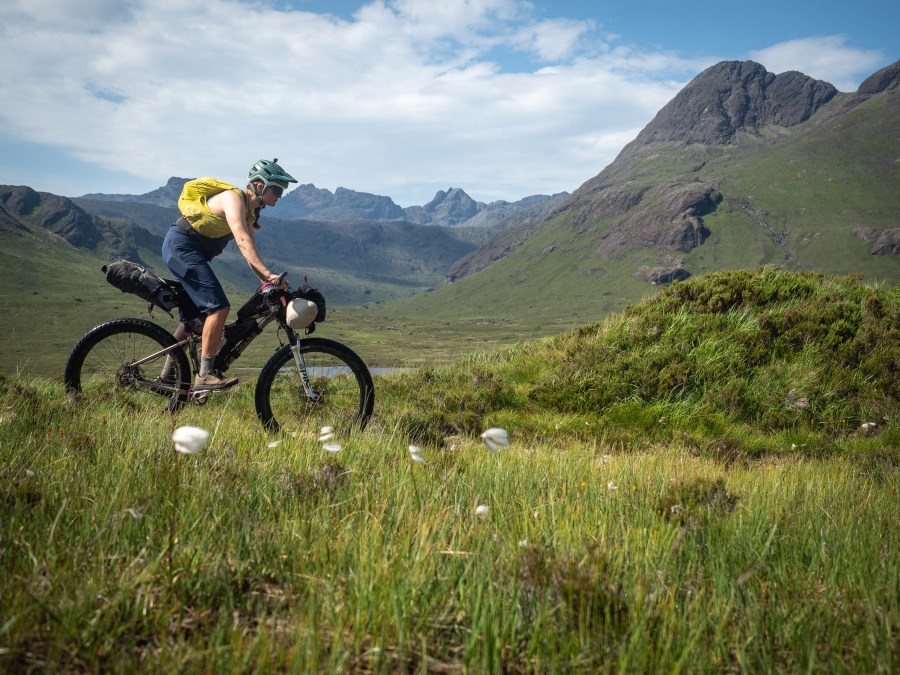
(503, 98)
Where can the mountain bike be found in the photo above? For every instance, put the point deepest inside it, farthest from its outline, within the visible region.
(306, 384)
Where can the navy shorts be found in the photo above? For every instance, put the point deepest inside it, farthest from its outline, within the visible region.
(185, 258)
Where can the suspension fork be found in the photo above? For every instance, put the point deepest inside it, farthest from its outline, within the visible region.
(304, 374)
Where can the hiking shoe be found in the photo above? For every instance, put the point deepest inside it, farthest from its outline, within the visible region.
(213, 381)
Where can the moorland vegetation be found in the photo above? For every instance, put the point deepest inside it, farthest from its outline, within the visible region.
(705, 481)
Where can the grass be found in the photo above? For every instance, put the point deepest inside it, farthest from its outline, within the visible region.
(751, 361)
(119, 556)
(634, 524)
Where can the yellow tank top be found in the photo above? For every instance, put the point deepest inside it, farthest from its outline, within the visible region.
(193, 206)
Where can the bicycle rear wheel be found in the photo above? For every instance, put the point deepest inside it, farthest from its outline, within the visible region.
(344, 395)
(122, 360)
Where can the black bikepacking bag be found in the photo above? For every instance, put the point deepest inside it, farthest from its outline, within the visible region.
(314, 295)
(129, 277)
(257, 303)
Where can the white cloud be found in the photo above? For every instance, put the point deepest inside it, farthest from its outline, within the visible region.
(407, 97)
(552, 40)
(826, 58)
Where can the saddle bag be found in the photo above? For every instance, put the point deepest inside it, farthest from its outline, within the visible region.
(129, 277)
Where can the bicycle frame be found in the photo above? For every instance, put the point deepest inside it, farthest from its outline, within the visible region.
(230, 353)
(303, 376)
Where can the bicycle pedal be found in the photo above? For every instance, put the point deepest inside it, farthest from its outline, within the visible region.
(198, 397)
(201, 396)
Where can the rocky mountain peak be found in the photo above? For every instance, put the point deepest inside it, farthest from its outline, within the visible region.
(883, 80)
(453, 206)
(734, 96)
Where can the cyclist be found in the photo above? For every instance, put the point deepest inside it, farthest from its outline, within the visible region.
(213, 214)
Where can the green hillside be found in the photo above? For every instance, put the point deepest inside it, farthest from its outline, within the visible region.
(738, 359)
(792, 200)
(51, 293)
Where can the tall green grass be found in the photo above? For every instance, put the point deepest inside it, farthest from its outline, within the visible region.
(630, 531)
(749, 362)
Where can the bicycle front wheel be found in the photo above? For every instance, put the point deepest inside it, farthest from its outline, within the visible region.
(341, 394)
(122, 360)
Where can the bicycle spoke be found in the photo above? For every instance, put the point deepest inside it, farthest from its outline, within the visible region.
(334, 400)
(101, 365)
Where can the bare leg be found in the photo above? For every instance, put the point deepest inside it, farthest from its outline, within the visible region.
(168, 371)
(212, 332)
(212, 337)
(180, 332)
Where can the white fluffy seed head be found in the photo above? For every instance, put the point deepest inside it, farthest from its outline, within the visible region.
(495, 438)
(189, 440)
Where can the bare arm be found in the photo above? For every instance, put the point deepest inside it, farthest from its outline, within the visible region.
(232, 207)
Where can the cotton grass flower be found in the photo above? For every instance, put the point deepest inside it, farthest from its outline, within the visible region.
(612, 486)
(189, 440)
(415, 454)
(326, 434)
(482, 510)
(495, 438)
(273, 444)
(867, 426)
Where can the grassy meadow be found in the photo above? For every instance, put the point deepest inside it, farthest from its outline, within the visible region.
(705, 482)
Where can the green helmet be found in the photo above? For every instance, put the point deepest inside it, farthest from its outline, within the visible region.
(270, 173)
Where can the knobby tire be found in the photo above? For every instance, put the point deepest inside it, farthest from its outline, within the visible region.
(337, 374)
(99, 364)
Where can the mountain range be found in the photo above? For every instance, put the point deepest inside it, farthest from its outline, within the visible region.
(450, 208)
(742, 168)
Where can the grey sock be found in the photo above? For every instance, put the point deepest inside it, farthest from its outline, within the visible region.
(206, 364)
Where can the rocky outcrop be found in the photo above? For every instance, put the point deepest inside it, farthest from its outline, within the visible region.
(662, 275)
(667, 217)
(881, 81)
(70, 223)
(609, 202)
(887, 243)
(884, 242)
(732, 97)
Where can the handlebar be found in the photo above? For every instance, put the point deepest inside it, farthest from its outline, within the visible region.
(269, 286)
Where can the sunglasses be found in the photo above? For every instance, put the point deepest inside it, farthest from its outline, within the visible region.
(277, 190)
